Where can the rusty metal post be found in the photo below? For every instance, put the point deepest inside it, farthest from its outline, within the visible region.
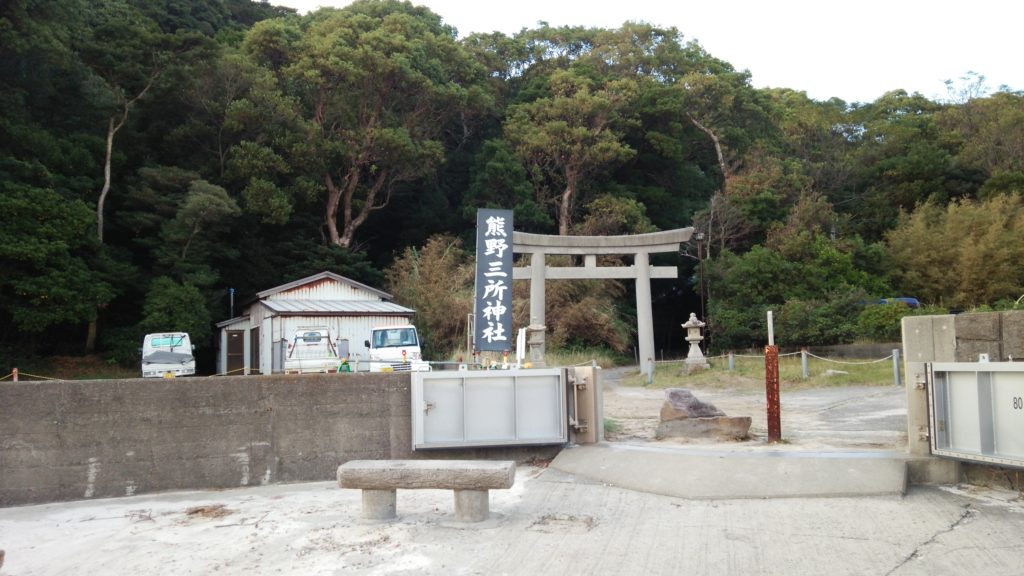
(15, 375)
(771, 384)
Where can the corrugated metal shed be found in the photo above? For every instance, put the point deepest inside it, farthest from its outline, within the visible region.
(347, 308)
(336, 307)
(324, 286)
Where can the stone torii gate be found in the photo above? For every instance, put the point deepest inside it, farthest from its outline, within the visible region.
(640, 246)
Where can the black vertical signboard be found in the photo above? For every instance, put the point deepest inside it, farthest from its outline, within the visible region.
(493, 302)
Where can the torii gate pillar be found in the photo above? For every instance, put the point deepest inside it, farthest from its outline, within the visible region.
(640, 246)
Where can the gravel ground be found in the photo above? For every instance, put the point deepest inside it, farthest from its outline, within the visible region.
(843, 417)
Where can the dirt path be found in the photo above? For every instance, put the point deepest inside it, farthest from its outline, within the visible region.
(842, 417)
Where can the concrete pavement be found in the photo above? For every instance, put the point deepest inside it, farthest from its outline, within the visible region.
(550, 522)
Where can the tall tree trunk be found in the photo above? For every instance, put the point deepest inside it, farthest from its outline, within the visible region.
(113, 126)
(112, 129)
(354, 221)
(90, 337)
(563, 212)
(718, 149)
(331, 211)
(565, 206)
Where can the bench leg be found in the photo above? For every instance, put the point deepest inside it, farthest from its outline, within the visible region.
(378, 504)
(472, 505)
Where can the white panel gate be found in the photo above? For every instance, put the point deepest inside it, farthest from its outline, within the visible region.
(488, 408)
(977, 411)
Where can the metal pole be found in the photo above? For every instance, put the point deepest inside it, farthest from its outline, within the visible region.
(803, 362)
(771, 383)
(14, 375)
(650, 370)
(732, 362)
(896, 366)
(700, 264)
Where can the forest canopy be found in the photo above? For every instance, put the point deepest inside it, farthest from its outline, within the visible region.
(156, 153)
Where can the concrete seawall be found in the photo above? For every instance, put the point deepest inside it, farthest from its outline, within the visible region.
(70, 440)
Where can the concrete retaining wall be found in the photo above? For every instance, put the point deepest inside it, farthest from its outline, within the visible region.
(69, 440)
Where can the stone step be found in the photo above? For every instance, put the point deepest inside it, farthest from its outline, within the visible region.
(697, 473)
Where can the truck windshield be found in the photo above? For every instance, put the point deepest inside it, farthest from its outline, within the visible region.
(394, 337)
(166, 341)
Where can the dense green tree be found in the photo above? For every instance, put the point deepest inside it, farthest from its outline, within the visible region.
(902, 160)
(380, 81)
(610, 215)
(963, 254)
(437, 281)
(821, 321)
(501, 181)
(570, 137)
(174, 307)
(217, 147)
(44, 252)
(126, 54)
(990, 132)
(196, 233)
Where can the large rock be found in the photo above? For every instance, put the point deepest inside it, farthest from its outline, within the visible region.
(684, 416)
(680, 403)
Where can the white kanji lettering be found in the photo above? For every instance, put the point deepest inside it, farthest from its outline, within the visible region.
(494, 332)
(495, 269)
(495, 288)
(495, 226)
(495, 309)
(495, 246)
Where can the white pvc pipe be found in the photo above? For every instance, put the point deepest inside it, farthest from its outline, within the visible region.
(771, 330)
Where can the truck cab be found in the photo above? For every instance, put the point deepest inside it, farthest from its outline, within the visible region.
(395, 349)
(167, 355)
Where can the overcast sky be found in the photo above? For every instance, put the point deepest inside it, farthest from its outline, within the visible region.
(856, 50)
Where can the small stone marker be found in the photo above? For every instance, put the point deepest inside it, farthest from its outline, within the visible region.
(683, 415)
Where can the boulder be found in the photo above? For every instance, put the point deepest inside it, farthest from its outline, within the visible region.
(680, 404)
(683, 415)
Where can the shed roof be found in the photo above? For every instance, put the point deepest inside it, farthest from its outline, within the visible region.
(322, 276)
(230, 321)
(337, 308)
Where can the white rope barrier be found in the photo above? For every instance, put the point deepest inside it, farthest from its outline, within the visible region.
(726, 357)
(889, 357)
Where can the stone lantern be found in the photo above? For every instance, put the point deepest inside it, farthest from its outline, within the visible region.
(695, 359)
(535, 345)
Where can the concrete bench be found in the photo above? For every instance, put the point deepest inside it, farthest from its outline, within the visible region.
(470, 479)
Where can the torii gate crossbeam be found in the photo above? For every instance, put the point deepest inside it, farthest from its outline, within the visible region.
(640, 246)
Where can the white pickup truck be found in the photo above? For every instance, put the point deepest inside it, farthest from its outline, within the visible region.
(312, 349)
(167, 355)
(395, 349)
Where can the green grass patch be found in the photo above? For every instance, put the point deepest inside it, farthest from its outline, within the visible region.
(612, 426)
(71, 368)
(582, 357)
